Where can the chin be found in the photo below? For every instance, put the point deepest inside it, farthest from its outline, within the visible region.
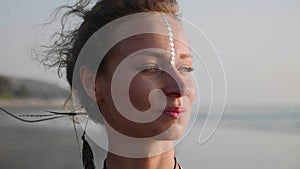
(174, 133)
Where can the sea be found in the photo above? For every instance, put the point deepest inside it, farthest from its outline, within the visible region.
(260, 137)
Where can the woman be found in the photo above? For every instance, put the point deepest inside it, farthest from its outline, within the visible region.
(131, 61)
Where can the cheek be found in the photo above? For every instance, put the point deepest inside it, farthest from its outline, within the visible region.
(139, 91)
(192, 90)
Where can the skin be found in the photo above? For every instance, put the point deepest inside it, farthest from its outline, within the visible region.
(142, 84)
(146, 81)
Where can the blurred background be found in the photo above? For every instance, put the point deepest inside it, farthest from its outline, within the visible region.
(258, 43)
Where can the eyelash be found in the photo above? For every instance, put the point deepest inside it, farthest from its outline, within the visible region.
(156, 68)
(187, 69)
(150, 68)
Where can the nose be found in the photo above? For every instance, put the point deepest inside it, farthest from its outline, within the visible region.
(176, 85)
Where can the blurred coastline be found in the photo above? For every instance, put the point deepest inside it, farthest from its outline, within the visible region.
(32, 102)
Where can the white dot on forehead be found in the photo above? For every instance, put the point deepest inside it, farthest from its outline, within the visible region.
(172, 45)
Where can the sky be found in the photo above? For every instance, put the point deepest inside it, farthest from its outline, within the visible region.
(257, 41)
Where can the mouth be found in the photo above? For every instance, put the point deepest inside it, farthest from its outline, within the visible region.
(174, 112)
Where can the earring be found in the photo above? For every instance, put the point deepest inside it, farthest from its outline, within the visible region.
(87, 154)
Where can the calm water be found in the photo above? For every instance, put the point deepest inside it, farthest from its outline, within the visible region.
(248, 137)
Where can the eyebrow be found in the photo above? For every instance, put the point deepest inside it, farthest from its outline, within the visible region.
(150, 53)
(159, 54)
(183, 56)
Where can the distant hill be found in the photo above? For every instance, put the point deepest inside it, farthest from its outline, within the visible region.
(25, 88)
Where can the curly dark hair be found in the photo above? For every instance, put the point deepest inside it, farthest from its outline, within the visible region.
(67, 43)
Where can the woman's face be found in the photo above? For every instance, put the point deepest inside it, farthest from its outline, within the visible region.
(154, 71)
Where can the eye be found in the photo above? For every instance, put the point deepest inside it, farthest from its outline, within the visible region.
(151, 68)
(187, 69)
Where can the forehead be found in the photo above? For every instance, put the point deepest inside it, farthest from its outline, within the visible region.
(152, 30)
(146, 41)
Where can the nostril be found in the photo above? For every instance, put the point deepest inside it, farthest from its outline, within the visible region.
(176, 92)
(175, 86)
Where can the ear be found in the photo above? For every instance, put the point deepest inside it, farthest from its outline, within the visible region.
(88, 78)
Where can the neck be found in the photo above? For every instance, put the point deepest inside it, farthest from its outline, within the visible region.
(162, 161)
(149, 153)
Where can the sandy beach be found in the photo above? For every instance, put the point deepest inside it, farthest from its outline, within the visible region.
(52, 145)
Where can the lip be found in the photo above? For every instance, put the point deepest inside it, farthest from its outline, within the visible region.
(174, 112)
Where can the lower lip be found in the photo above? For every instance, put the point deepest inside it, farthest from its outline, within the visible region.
(174, 114)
